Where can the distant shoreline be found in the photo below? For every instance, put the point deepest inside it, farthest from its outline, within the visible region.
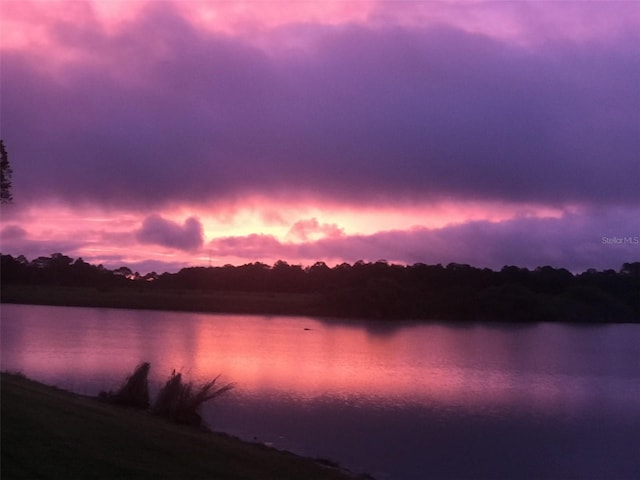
(257, 303)
(229, 302)
(380, 290)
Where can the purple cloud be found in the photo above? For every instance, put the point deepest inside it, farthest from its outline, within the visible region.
(575, 241)
(159, 112)
(159, 231)
(13, 233)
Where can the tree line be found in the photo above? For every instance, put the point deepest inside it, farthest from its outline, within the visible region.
(378, 289)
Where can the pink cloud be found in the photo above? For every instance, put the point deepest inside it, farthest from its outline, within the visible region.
(573, 241)
(249, 246)
(305, 230)
(576, 241)
(523, 21)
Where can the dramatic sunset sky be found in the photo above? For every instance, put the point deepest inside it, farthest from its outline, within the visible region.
(163, 134)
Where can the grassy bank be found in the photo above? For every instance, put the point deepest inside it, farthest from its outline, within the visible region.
(49, 433)
(177, 300)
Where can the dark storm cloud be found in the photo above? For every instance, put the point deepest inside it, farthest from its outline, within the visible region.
(159, 231)
(160, 112)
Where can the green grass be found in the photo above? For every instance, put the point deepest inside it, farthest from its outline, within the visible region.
(49, 433)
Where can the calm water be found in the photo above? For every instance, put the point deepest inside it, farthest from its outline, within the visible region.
(405, 402)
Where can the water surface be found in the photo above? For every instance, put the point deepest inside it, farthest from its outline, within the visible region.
(399, 401)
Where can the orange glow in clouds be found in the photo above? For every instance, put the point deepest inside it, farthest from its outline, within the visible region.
(111, 237)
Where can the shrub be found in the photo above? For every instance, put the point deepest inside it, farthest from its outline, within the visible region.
(134, 392)
(181, 402)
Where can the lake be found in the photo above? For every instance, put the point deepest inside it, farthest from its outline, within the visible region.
(399, 401)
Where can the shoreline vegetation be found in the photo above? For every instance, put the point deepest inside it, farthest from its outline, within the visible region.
(379, 290)
(49, 433)
(177, 400)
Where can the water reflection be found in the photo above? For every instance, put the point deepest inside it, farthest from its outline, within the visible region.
(354, 384)
(540, 367)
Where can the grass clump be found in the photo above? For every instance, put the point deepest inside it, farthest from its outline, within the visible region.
(181, 402)
(177, 401)
(134, 392)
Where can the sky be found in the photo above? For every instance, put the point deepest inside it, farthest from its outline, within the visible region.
(165, 134)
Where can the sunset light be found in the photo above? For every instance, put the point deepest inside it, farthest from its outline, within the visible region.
(391, 239)
(165, 134)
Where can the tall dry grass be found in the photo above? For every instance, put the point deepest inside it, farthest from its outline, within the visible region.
(181, 402)
(134, 392)
(178, 401)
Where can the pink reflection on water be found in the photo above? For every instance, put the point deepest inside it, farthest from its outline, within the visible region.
(475, 368)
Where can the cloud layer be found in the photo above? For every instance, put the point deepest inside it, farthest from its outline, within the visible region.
(159, 112)
(175, 122)
(576, 241)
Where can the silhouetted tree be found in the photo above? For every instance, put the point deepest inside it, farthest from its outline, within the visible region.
(380, 289)
(5, 177)
(319, 276)
(123, 272)
(631, 269)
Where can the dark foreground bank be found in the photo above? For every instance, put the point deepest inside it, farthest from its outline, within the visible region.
(49, 433)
